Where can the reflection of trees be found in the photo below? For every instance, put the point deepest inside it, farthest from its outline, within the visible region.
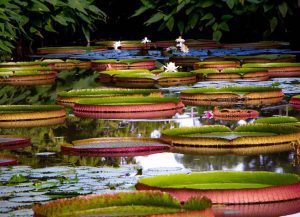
(208, 162)
(97, 161)
(87, 128)
(268, 162)
(49, 139)
(46, 94)
(271, 162)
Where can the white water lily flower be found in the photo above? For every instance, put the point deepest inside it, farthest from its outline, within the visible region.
(184, 48)
(172, 48)
(117, 44)
(171, 67)
(146, 40)
(180, 40)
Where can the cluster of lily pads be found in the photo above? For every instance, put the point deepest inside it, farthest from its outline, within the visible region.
(187, 194)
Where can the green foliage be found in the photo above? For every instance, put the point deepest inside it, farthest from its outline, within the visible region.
(221, 180)
(217, 16)
(28, 19)
(197, 203)
(17, 178)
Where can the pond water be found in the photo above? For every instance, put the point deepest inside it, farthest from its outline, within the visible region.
(44, 173)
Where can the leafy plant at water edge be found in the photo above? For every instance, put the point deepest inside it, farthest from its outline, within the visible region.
(217, 16)
(24, 20)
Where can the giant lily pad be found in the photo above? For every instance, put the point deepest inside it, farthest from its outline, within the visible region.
(227, 187)
(13, 116)
(7, 160)
(68, 98)
(123, 64)
(246, 139)
(128, 107)
(123, 204)
(13, 142)
(229, 96)
(106, 146)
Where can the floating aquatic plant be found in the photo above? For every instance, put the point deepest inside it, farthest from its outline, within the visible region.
(146, 40)
(270, 65)
(128, 107)
(126, 100)
(227, 187)
(277, 120)
(13, 116)
(123, 146)
(120, 204)
(230, 89)
(171, 67)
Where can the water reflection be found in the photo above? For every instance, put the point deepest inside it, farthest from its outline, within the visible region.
(260, 210)
(158, 160)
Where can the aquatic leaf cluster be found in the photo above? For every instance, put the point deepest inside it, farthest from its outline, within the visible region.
(20, 20)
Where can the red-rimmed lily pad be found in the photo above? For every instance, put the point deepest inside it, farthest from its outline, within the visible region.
(295, 102)
(128, 107)
(11, 142)
(8, 160)
(123, 64)
(227, 187)
(234, 114)
(142, 203)
(114, 147)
